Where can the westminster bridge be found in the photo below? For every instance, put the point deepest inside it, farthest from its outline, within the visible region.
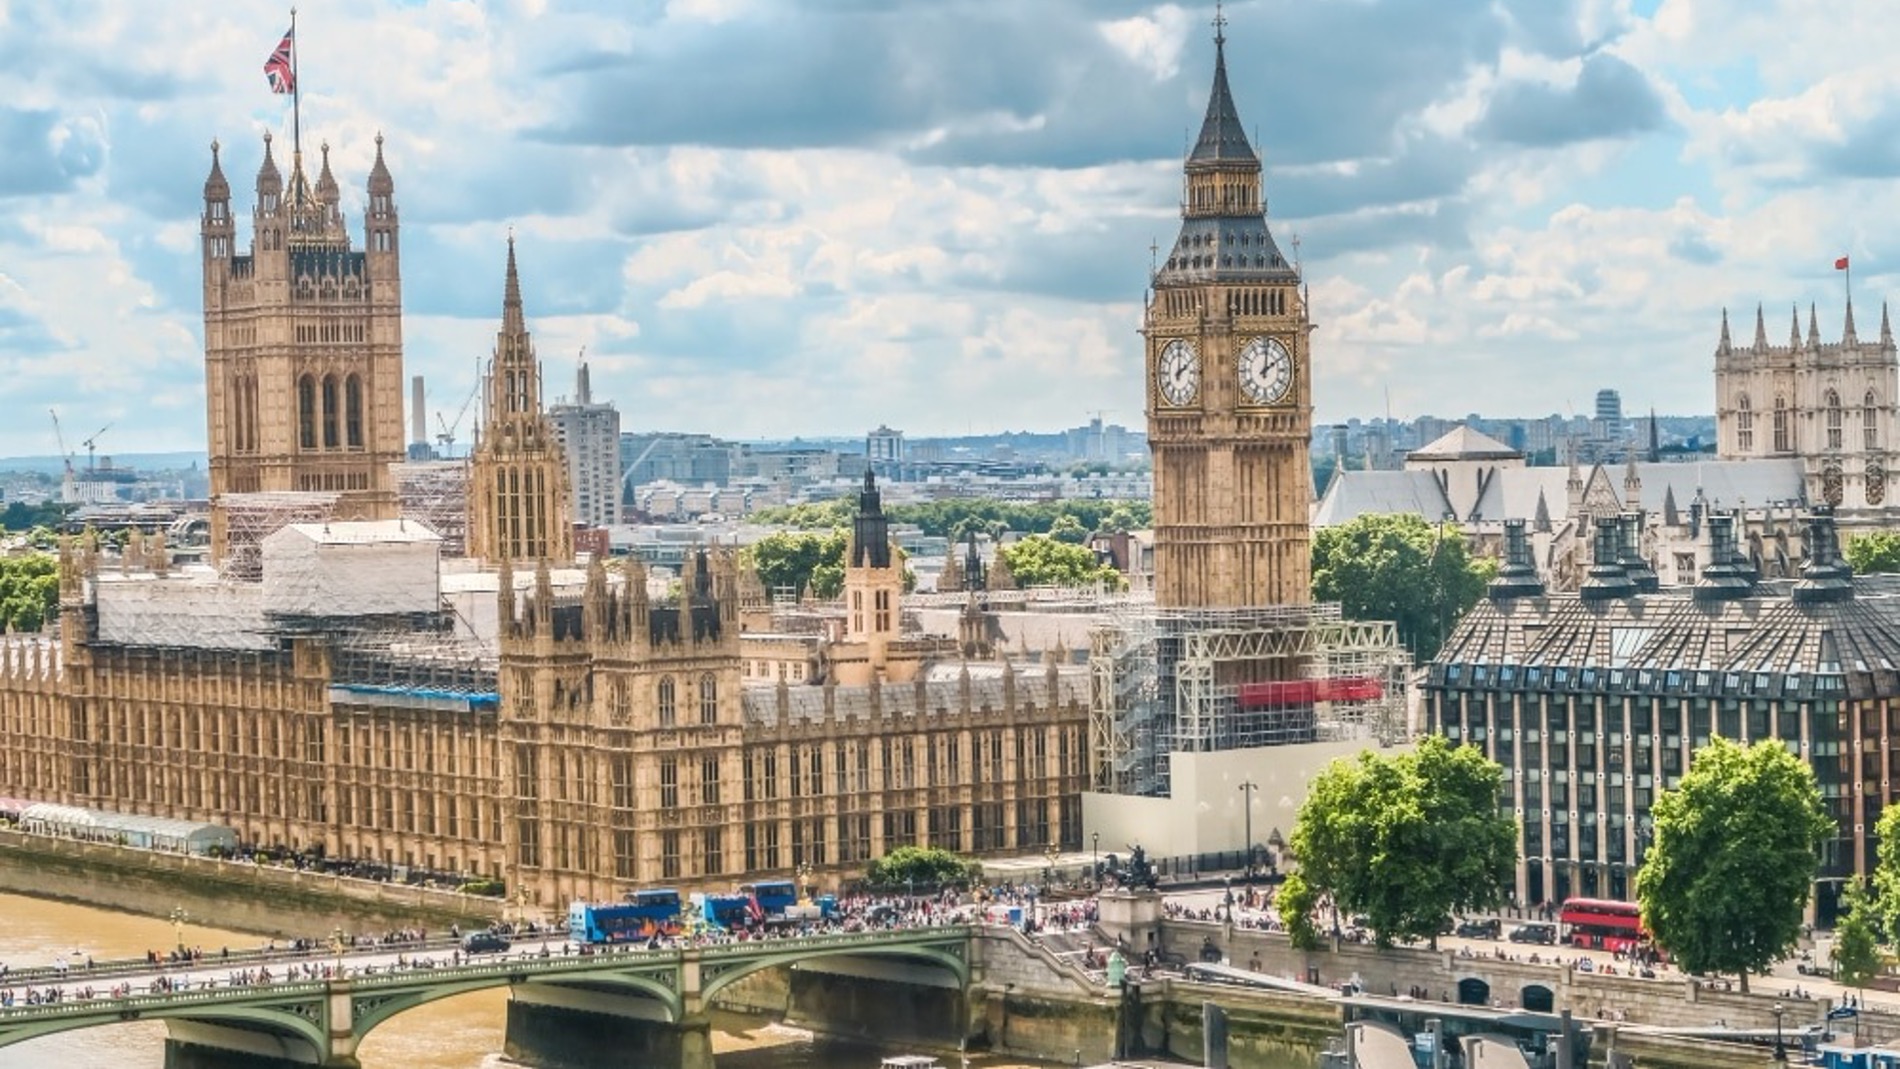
(569, 1006)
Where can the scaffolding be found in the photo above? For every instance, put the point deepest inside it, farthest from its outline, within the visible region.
(251, 518)
(1208, 680)
(435, 494)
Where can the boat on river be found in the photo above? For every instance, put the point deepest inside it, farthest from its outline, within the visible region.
(910, 1061)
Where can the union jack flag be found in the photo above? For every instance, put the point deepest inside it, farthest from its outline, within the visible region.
(279, 69)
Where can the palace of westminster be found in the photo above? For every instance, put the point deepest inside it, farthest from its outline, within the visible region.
(498, 702)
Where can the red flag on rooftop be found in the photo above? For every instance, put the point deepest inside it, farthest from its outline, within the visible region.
(280, 70)
(1840, 264)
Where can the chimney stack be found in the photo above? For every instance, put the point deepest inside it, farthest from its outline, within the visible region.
(1722, 580)
(1826, 576)
(1606, 579)
(1630, 554)
(1518, 576)
(418, 418)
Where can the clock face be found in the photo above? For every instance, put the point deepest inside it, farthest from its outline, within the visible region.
(1266, 371)
(1178, 372)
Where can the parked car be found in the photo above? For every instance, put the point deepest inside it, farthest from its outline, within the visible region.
(1535, 933)
(1485, 929)
(484, 943)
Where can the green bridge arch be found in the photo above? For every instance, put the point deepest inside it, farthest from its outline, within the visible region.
(289, 1013)
(950, 954)
(375, 1007)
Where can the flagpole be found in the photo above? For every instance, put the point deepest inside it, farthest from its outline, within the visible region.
(296, 91)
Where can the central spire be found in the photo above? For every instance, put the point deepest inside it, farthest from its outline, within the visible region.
(1222, 137)
(512, 321)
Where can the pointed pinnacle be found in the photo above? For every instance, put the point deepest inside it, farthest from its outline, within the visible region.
(1723, 345)
(1761, 328)
(511, 317)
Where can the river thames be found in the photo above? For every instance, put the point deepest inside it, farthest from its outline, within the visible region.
(464, 1032)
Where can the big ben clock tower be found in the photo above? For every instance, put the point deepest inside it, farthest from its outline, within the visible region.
(1229, 396)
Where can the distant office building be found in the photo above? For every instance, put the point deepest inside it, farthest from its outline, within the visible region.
(1610, 408)
(660, 456)
(589, 431)
(884, 451)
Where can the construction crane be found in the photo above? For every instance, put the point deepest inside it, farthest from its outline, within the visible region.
(91, 444)
(60, 436)
(447, 437)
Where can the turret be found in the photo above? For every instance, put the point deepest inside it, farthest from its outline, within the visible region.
(327, 192)
(268, 218)
(379, 220)
(216, 227)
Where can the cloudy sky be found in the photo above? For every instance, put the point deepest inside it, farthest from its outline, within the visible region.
(777, 217)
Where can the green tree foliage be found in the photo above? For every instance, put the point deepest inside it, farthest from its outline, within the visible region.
(1875, 552)
(29, 591)
(799, 560)
(18, 516)
(1295, 902)
(921, 866)
(952, 519)
(1887, 868)
(1407, 840)
(1856, 949)
(1395, 566)
(1724, 884)
(1041, 560)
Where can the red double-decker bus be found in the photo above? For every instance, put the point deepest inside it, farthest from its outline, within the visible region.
(1602, 924)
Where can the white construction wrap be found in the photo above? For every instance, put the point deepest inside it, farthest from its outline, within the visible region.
(352, 569)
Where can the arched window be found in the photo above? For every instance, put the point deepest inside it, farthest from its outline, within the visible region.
(1833, 403)
(668, 708)
(307, 412)
(1781, 425)
(353, 412)
(329, 412)
(1744, 425)
(708, 699)
(1870, 421)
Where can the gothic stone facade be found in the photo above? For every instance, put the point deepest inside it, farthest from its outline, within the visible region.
(1830, 404)
(616, 747)
(303, 345)
(1229, 397)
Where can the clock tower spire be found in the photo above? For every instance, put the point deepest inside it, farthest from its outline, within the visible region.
(1229, 395)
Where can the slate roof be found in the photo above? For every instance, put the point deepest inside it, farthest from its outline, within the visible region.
(1222, 137)
(1464, 443)
(1356, 493)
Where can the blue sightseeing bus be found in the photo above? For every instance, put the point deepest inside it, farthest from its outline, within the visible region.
(643, 915)
(725, 911)
(773, 896)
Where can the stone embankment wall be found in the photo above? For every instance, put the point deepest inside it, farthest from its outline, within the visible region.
(1673, 998)
(264, 899)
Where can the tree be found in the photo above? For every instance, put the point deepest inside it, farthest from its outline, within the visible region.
(1295, 902)
(1724, 883)
(1856, 951)
(1068, 529)
(1040, 560)
(1875, 552)
(921, 866)
(29, 591)
(795, 561)
(1397, 567)
(1407, 840)
(1887, 869)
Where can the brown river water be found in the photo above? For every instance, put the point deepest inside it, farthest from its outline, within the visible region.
(464, 1032)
